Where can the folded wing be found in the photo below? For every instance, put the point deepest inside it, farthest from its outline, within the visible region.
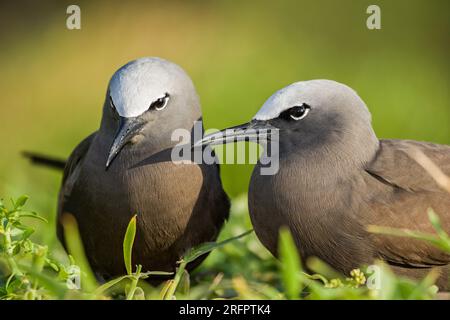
(403, 193)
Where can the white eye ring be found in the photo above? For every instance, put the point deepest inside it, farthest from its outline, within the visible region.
(160, 103)
(301, 116)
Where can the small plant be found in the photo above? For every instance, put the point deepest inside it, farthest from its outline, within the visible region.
(297, 284)
(25, 266)
(132, 290)
(28, 271)
(191, 255)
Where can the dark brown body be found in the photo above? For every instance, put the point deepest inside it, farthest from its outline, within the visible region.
(328, 211)
(177, 206)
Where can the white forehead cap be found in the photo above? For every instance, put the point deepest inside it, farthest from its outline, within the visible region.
(140, 82)
(312, 92)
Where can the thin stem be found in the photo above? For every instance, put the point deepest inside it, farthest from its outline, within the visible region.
(176, 281)
(134, 282)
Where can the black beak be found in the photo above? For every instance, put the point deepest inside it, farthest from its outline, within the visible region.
(128, 128)
(254, 130)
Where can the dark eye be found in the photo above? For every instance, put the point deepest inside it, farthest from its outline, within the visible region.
(160, 103)
(299, 112)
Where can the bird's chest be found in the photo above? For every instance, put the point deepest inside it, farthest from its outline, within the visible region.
(292, 194)
(163, 195)
(162, 190)
(317, 209)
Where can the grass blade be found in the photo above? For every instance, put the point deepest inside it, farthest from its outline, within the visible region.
(290, 265)
(128, 242)
(429, 237)
(104, 287)
(206, 247)
(76, 249)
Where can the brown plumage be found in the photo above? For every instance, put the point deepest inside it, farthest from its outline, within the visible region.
(404, 192)
(125, 168)
(392, 190)
(336, 178)
(177, 207)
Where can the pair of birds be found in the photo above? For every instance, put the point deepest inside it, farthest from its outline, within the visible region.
(335, 178)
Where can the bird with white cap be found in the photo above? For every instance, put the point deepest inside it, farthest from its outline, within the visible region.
(125, 168)
(336, 178)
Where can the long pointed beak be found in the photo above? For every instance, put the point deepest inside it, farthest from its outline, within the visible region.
(128, 128)
(254, 130)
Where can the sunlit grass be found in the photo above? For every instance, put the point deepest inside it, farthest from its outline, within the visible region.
(54, 81)
(30, 271)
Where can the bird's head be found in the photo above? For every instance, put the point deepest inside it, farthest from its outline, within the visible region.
(146, 100)
(309, 115)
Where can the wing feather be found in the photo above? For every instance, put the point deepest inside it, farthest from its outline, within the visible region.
(404, 192)
(70, 176)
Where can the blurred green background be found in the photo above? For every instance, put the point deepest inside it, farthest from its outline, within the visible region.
(53, 80)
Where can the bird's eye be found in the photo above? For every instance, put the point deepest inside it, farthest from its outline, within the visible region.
(160, 103)
(299, 112)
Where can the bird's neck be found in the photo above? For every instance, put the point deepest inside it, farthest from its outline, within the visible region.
(315, 186)
(311, 167)
(332, 155)
(142, 151)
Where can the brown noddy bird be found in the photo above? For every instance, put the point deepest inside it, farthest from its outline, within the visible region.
(335, 178)
(125, 168)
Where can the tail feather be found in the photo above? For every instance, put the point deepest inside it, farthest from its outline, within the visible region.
(43, 160)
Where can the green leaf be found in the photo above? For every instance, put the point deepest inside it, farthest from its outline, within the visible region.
(128, 242)
(185, 283)
(145, 275)
(434, 219)
(206, 247)
(321, 268)
(290, 264)
(31, 214)
(110, 284)
(170, 294)
(53, 265)
(10, 278)
(430, 238)
(27, 231)
(190, 256)
(76, 249)
(57, 288)
(165, 289)
(139, 294)
(436, 222)
(422, 289)
(20, 202)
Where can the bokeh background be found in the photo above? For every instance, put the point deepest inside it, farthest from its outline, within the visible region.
(53, 80)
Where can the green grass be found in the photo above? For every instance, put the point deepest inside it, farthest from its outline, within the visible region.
(54, 81)
(28, 270)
